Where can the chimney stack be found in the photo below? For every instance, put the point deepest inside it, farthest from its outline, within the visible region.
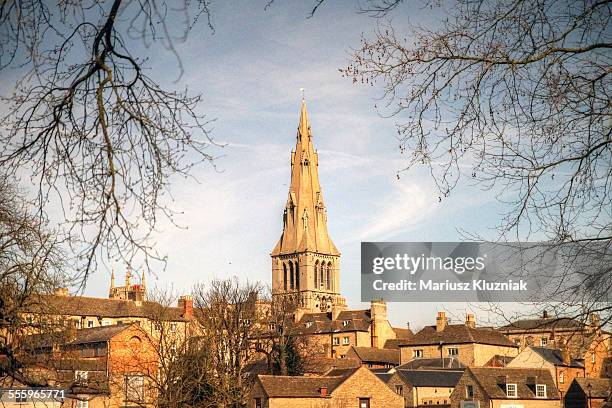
(441, 321)
(61, 292)
(565, 353)
(470, 320)
(185, 302)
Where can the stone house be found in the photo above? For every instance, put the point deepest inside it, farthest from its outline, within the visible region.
(102, 367)
(561, 366)
(374, 357)
(351, 388)
(588, 392)
(586, 341)
(422, 387)
(471, 345)
(505, 387)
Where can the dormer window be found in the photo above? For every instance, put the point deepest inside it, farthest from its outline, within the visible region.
(541, 390)
(308, 324)
(345, 323)
(511, 390)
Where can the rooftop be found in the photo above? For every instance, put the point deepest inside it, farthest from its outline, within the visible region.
(458, 334)
(494, 379)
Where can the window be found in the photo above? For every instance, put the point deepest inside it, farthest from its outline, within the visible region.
(134, 388)
(453, 351)
(80, 376)
(346, 340)
(517, 342)
(399, 389)
(345, 323)
(544, 341)
(308, 324)
(173, 327)
(364, 403)
(417, 353)
(272, 326)
(257, 402)
(593, 357)
(511, 390)
(336, 341)
(541, 390)
(90, 323)
(561, 377)
(82, 404)
(469, 391)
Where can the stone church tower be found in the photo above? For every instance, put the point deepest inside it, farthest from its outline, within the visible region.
(305, 261)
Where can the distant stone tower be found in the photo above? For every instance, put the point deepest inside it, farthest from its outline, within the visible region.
(305, 261)
(129, 291)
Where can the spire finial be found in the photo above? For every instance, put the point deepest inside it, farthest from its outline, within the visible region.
(304, 126)
(303, 94)
(112, 278)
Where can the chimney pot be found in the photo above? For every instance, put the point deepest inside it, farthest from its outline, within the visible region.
(185, 302)
(545, 314)
(470, 320)
(323, 391)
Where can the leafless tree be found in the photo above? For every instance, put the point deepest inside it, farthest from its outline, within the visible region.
(226, 313)
(31, 263)
(514, 95)
(89, 125)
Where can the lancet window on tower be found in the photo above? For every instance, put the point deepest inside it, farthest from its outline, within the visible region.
(297, 276)
(329, 265)
(316, 274)
(291, 276)
(285, 276)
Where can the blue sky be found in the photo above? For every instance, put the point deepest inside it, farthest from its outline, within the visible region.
(250, 71)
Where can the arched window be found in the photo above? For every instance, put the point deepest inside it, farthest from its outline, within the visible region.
(329, 266)
(297, 276)
(316, 274)
(291, 276)
(321, 275)
(284, 276)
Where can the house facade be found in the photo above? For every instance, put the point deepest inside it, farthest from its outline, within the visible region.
(505, 387)
(471, 345)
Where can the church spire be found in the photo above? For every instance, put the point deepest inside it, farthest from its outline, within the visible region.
(305, 215)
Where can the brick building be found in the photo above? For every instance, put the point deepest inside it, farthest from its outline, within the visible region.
(471, 345)
(102, 367)
(349, 388)
(505, 387)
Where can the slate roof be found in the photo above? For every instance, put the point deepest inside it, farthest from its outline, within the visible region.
(322, 365)
(376, 355)
(432, 364)
(82, 336)
(458, 334)
(90, 306)
(555, 356)
(384, 377)
(549, 323)
(493, 380)
(430, 378)
(296, 387)
(600, 387)
(319, 323)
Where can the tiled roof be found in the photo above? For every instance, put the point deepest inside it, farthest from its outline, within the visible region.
(376, 355)
(323, 365)
(289, 386)
(600, 387)
(402, 333)
(549, 323)
(393, 343)
(89, 306)
(555, 356)
(430, 378)
(458, 334)
(493, 380)
(432, 363)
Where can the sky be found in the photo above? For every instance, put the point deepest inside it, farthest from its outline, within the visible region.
(250, 71)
